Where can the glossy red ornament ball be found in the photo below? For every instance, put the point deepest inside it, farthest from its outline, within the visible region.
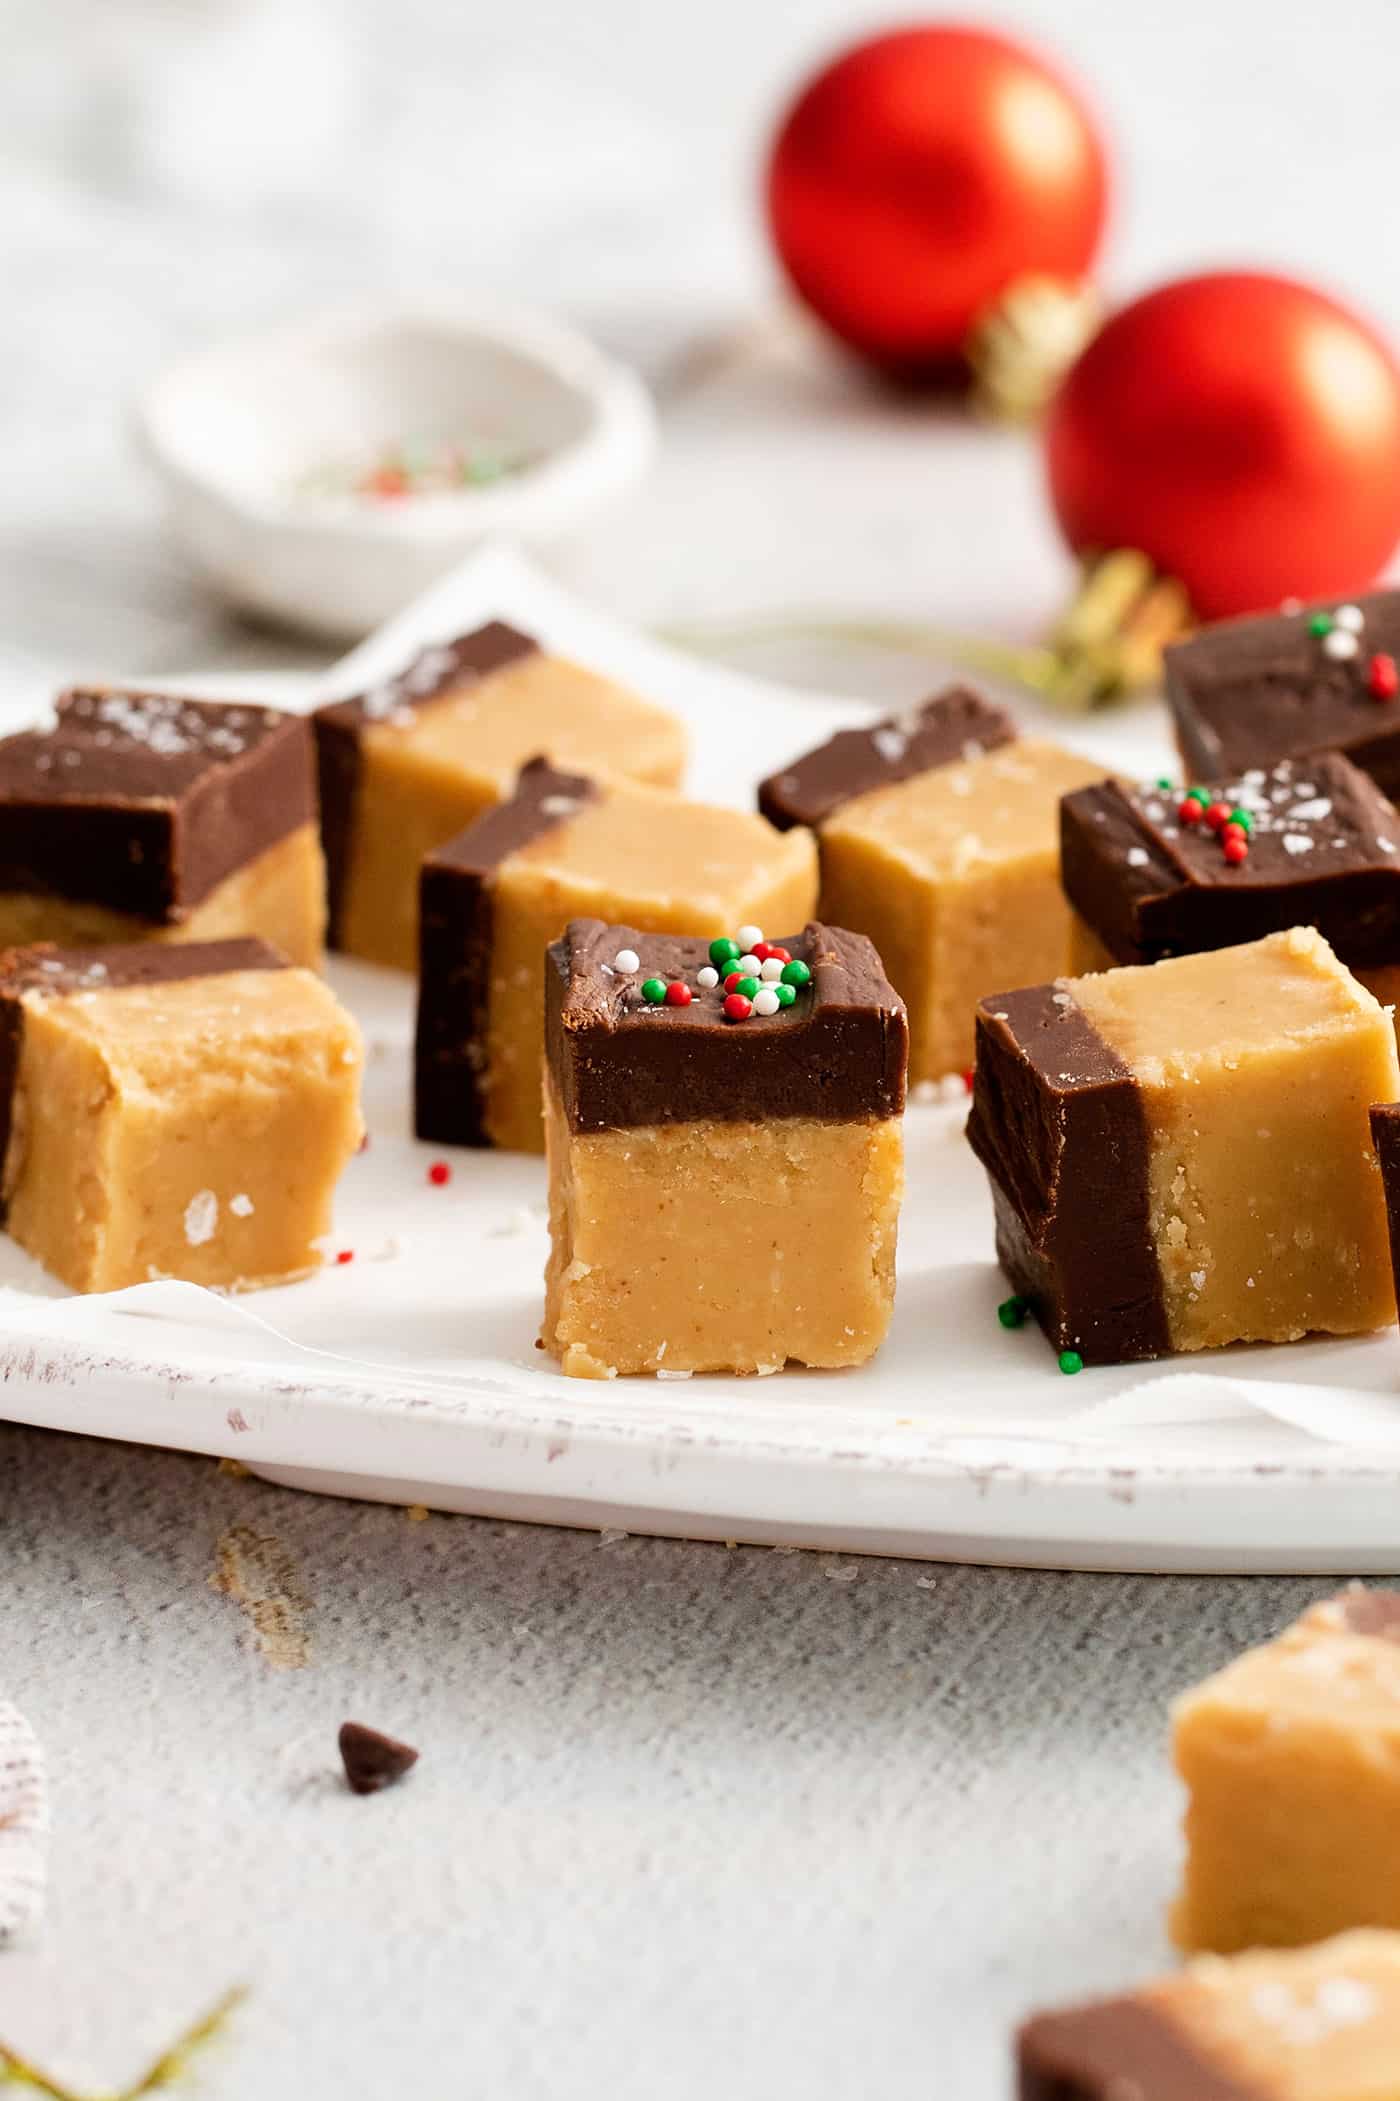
(1241, 430)
(919, 175)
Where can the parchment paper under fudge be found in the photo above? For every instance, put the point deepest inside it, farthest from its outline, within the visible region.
(938, 833)
(181, 1111)
(1180, 1155)
(144, 816)
(725, 1147)
(410, 763)
(1326, 677)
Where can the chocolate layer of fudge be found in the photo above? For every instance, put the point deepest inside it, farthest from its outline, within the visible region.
(409, 764)
(1385, 1136)
(1179, 1155)
(1247, 693)
(1291, 1760)
(1153, 871)
(144, 816)
(1318, 2024)
(938, 838)
(494, 898)
(725, 1151)
(172, 1111)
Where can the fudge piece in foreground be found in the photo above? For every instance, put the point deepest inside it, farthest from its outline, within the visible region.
(1152, 871)
(725, 1164)
(562, 847)
(412, 762)
(939, 839)
(179, 1111)
(1250, 692)
(1317, 2024)
(1291, 1759)
(141, 816)
(1180, 1155)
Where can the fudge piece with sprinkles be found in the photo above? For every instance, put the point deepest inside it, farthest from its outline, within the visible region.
(177, 1111)
(1312, 2024)
(493, 900)
(938, 838)
(410, 763)
(1155, 870)
(1180, 1155)
(1247, 693)
(134, 816)
(725, 1140)
(1291, 1760)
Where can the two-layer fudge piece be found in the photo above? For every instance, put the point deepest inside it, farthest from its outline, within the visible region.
(1312, 2024)
(566, 847)
(1180, 1154)
(415, 760)
(1291, 1759)
(179, 1111)
(939, 837)
(725, 1151)
(137, 816)
(1288, 685)
(1152, 871)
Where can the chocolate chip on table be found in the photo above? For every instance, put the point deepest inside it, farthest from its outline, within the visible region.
(373, 1761)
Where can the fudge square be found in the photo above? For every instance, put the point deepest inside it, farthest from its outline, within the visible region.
(939, 839)
(179, 1111)
(1180, 1155)
(565, 847)
(1150, 871)
(1291, 1760)
(1288, 685)
(142, 816)
(409, 764)
(1316, 2024)
(725, 1167)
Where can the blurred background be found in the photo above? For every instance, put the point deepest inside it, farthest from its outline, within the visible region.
(175, 170)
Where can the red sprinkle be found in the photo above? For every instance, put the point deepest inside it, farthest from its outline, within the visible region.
(439, 1174)
(1236, 850)
(763, 950)
(1233, 831)
(773, 954)
(347, 1254)
(388, 482)
(734, 977)
(677, 994)
(737, 1007)
(968, 1077)
(1383, 677)
(1190, 811)
(1217, 815)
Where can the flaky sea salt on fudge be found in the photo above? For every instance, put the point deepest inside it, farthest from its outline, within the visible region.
(939, 839)
(412, 762)
(1180, 1155)
(561, 847)
(1317, 2024)
(137, 816)
(181, 1112)
(1291, 1760)
(725, 1147)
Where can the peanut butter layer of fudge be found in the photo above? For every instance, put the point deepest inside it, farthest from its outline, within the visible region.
(938, 833)
(725, 1151)
(1153, 871)
(565, 847)
(411, 763)
(180, 1111)
(1316, 2024)
(1291, 1760)
(1247, 693)
(138, 816)
(1180, 1155)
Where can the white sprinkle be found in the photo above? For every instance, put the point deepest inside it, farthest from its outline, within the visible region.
(1137, 857)
(1340, 643)
(627, 960)
(950, 1088)
(1249, 1283)
(1297, 843)
(707, 978)
(1345, 2000)
(749, 965)
(1061, 999)
(1350, 617)
(766, 1000)
(201, 1217)
(1255, 777)
(771, 970)
(560, 805)
(1311, 812)
(924, 1091)
(890, 745)
(749, 937)
(1387, 846)
(241, 1206)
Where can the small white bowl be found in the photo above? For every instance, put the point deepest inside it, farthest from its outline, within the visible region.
(236, 432)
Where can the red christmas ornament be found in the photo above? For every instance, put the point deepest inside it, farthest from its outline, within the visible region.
(919, 176)
(1243, 432)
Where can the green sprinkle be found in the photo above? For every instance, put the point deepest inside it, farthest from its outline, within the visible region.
(1164, 784)
(724, 951)
(748, 986)
(1071, 1361)
(1242, 818)
(1012, 1312)
(785, 994)
(1200, 795)
(1320, 623)
(654, 991)
(795, 973)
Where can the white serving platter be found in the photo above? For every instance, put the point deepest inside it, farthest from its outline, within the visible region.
(409, 1373)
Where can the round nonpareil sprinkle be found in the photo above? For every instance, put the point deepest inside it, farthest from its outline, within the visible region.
(439, 1174)
(1012, 1312)
(1217, 815)
(346, 1254)
(742, 982)
(677, 994)
(796, 973)
(969, 1079)
(766, 1000)
(1382, 677)
(1236, 850)
(750, 964)
(1319, 623)
(707, 978)
(785, 995)
(771, 970)
(627, 960)
(654, 991)
(749, 936)
(723, 951)
(1071, 1361)
(737, 1008)
(1341, 643)
(1241, 817)
(1190, 810)
(1350, 617)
